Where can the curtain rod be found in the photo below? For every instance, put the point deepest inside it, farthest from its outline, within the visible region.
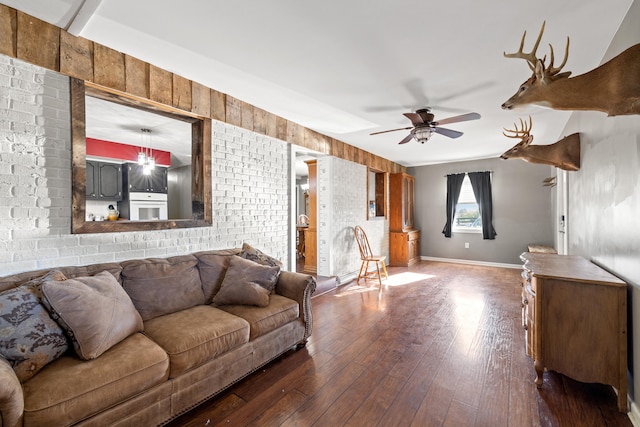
(467, 173)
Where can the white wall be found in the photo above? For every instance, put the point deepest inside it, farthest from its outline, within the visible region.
(342, 204)
(179, 192)
(604, 196)
(250, 176)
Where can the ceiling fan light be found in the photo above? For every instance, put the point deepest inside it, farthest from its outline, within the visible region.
(422, 135)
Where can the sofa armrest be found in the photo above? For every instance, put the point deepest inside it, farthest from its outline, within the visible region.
(11, 397)
(299, 287)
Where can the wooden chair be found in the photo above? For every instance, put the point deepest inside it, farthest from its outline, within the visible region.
(303, 220)
(367, 256)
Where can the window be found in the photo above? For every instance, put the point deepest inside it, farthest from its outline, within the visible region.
(479, 194)
(467, 217)
(376, 194)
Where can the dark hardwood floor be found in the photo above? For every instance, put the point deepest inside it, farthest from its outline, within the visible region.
(439, 344)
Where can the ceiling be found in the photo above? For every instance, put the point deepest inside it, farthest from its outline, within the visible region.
(349, 68)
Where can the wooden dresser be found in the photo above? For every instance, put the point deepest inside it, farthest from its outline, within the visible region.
(575, 318)
(404, 239)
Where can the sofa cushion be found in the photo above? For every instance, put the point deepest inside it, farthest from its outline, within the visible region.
(212, 266)
(95, 312)
(29, 337)
(247, 282)
(256, 255)
(281, 310)
(69, 389)
(211, 332)
(159, 286)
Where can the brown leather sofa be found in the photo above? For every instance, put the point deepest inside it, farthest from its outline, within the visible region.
(190, 345)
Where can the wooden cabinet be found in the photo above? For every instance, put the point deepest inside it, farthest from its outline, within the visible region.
(405, 248)
(103, 181)
(137, 181)
(404, 239)
(575, 319)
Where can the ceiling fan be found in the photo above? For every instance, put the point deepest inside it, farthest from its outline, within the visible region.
(424, 125)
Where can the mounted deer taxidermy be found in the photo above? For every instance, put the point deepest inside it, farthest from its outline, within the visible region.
(613, 87)
(564, 154)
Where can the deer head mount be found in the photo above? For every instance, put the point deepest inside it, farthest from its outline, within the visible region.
(613, 87)
(564, 154)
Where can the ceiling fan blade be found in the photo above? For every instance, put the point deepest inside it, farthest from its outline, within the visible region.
(461, 118)
(415, 118)
(406, 138)
(391, 130)
(448, 132)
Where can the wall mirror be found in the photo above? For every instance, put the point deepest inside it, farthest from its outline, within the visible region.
(137, 165)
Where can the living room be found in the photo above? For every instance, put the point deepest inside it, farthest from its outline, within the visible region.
(251, 180)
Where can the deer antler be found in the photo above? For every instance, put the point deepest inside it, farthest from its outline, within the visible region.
(531, 56)
(521, 133)
(553, 72)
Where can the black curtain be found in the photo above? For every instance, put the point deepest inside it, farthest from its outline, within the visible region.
(454, 184)
(481, 184)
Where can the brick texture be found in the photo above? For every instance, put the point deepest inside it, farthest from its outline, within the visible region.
(340, 208)
(250, 186)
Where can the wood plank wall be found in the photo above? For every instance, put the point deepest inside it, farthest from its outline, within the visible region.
(27, 38)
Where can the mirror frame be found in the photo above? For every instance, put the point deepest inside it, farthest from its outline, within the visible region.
(201, 195)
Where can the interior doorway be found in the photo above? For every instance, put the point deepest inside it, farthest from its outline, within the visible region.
(301, 200)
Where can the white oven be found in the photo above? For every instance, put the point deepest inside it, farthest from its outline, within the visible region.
(147, 206)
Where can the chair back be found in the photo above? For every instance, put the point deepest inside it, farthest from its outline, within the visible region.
(363, 242)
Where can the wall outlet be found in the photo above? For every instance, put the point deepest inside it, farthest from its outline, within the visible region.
(466, 245)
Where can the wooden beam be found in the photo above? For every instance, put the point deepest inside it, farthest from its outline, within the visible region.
(181, 93)
(281, 128)
(271, 125)
(38, 42)
(246, 112)
(200, 99)
(234, 111)
(76, 56)
(218, 105)
(295, 134)
(8, 31)
(108, 67)
(259, 121)
(160, 85)
(136, 76)
(42, 44)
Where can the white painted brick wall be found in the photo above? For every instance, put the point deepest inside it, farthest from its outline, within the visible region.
(251, 189)
(340, 208)
(250, 186)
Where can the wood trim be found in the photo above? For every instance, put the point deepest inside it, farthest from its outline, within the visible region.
(8, 31)
(27, 38)
(201, 154)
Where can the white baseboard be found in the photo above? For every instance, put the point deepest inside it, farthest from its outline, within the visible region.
(346, 278)
(472, 262)
(634, 413)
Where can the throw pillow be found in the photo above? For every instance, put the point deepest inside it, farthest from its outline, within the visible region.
(29, 337)
(95, 312)
(256, 255)
(246, 283)
(212, 266)
(159, 286)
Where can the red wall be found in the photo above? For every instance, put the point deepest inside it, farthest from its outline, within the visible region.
(116, 150)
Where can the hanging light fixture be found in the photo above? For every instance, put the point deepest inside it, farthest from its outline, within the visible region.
(142, 156)
(145, 155)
